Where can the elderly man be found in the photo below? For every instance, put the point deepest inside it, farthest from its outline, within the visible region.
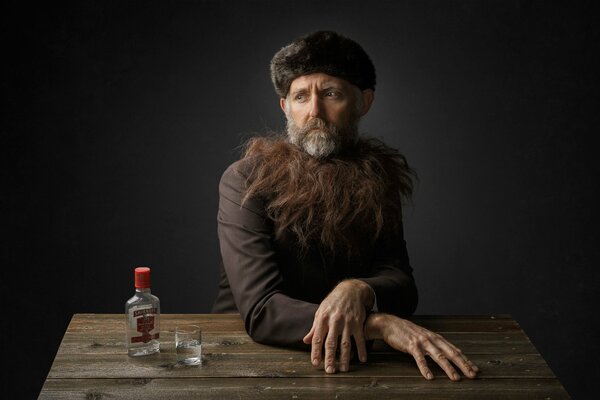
(310, 223)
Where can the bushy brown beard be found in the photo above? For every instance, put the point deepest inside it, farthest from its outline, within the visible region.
(342, 203)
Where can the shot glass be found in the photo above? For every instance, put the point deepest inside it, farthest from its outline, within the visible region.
(188, 344)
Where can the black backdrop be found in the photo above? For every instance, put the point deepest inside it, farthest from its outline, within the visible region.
(119, 118)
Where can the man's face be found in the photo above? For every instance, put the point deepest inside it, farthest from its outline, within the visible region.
(322, 113)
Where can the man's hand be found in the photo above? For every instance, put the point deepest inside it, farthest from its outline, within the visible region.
(341, 313)
(407, 337)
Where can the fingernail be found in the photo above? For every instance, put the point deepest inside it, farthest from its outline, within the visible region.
(456, 377)
(330, 370)
(343, 368)
(429, 375)
(315, 362)
(363, 359)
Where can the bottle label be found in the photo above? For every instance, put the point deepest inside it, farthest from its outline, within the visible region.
(142, 319)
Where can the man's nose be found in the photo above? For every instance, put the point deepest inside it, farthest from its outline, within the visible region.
(315, 109)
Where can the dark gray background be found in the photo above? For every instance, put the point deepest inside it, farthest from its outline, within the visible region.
(119, 119)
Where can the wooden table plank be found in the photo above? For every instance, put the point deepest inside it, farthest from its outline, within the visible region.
(233, 323)
(303, 388)
(239, 342)
(290, 364)
(116, 322)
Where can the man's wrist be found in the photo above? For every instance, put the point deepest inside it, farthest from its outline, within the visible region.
(374, 325)
(367, 293)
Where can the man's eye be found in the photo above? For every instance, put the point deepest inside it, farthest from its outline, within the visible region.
(333, 94)
(300, 97)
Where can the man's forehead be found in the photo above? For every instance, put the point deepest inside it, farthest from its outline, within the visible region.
(319, 79)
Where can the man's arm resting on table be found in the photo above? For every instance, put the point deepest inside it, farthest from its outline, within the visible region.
(245, 235)
(343, 312)
(419, 342)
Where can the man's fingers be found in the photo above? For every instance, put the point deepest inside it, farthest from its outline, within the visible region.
(422, 364)
(359, 339)
(317, 343)
(441, 359)
(454, 354)
(330, 348)
(460, 360)
(345, 348)
(308, 338)
(473, 365)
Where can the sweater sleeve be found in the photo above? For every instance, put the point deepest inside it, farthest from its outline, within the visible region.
(246, 243)
(392, 279)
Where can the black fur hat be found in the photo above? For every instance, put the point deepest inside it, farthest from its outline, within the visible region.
(322, 51)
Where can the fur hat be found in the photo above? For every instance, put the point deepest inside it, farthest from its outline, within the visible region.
(322, 51)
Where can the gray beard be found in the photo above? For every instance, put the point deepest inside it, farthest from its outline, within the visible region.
(322, 139)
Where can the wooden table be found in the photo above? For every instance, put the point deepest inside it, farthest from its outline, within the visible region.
(92, 363)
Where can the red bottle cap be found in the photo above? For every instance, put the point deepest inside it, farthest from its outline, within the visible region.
(142, 277)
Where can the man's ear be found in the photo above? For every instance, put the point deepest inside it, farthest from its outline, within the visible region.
(368, 95)
(282, 104)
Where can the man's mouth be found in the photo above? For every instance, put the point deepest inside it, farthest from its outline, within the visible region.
(317, 131)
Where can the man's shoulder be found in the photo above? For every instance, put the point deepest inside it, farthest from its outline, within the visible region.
(240, 169)
(234, 184)
(238, 176)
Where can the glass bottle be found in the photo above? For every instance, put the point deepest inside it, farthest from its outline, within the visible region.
(142, 312)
